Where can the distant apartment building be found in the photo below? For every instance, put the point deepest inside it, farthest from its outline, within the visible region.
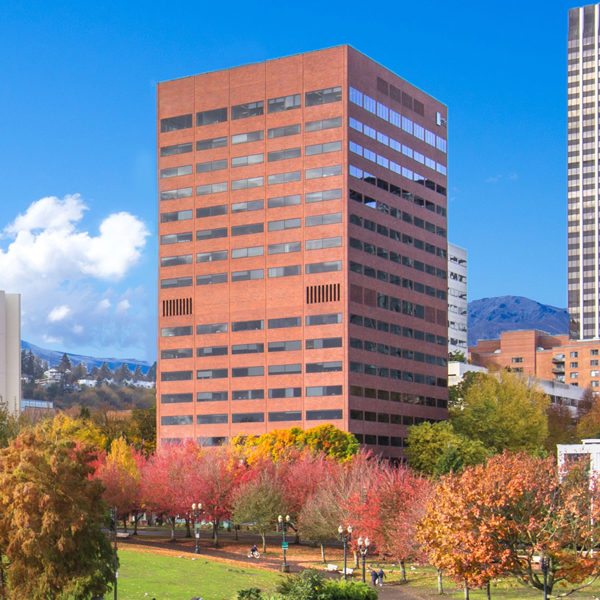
(583, 172)
(457, 299)
(10, 351)
(303, 252)
(554, 357)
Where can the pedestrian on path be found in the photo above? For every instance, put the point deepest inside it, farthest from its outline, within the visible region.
(374, 577)
(381, 575)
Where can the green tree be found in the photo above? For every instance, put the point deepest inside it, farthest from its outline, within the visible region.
(436, 449)
(122, 373)
(137, 374)
(65, 364)
(151, 374)
(51, 519)
(503, 412)
(104, 374)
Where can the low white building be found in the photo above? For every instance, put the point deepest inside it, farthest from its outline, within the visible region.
(10, 351)
(569, 453)
(457, 299)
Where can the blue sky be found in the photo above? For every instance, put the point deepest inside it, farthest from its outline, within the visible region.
(77, 115)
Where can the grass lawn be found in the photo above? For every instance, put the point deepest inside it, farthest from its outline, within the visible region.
(172, 578)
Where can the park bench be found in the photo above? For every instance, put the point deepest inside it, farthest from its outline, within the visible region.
(123, 534)
(348, 571)
(331, 568)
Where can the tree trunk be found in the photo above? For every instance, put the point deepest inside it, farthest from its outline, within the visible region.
(135, 521)
(439, 582)
(188, 531)
(403, 571)
(236, 528)
(466, 596)
(125, 523)
(297, 538)
(172, 523)
(323, 553)
(216, 533)
(488, 591)
(355, 560)
(264, 541)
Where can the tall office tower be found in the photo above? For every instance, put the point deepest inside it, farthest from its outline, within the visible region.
(303, 253)
(457, 299)
(10, 351)
(583, 172)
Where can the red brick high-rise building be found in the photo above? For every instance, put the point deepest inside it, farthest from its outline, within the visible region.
(303, 252)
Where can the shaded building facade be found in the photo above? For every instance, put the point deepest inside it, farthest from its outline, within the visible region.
(303, 253)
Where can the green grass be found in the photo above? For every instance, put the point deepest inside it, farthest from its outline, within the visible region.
(172, 578)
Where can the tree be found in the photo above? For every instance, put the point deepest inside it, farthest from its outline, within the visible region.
(65, 363)
(457, 356)
(436, 449)
(496, 518)
(151, 374)
(137, 374)
(104, 374)
(259, 501)
(589, 423)
(561, 427)
(51, 519)
(122, 373)
(141, 429)
(503, 412)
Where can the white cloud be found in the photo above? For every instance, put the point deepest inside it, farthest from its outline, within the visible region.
(73, 281)
(58, 313)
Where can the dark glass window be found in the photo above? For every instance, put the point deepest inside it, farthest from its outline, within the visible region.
(176, 282)
(212, 374)
(177, 420)
(324, 367)
(175, 123)
(180, 215)
(176, 238)
(276, 155)
(211, 234)
(211, 328)
(210, 279)
(176, 398)
(211, 396)
(324, 390)
(286, 415)
(286, 130)
(247, 394)
(314, 344)
(176, 376)
(208, 117)
(173, 353)
(211, 143)
(275, 105)
(255, 348)
(247, 229)
(176, 331)
(324, 96)
(211, 211)
(248, 418)
(286, 346)
(289, 392)
(211, 351)
(247, 325)
(322, 415)
(249, 109)
(211, 419)
(177, 194)
(324, 319)
(284, 369)
(176, 149)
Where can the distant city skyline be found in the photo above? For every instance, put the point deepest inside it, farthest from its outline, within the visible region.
(79, 132)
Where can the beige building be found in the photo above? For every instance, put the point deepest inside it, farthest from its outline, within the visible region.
(10, 351)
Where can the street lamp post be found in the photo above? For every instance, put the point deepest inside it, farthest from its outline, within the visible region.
(363, 548)
(345, 536)
(284, 522)
(196, 510)
(545, 564)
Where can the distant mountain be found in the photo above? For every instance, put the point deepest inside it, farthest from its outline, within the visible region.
(489, 317)
(53, 357)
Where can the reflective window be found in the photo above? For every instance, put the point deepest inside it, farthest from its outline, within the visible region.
(323, 196)
(285, 201)
(247, 394)
(284, 248)
(251, 136)
(211, 328)
(212, 211)
(210, 279)
(287, 346)
(208, 117)
(249, 109)
(176, 331)
(275, 105)
(211, 419)
(176, 238)
(254, 325)
(211, 396)
(324, 367)
(211, 234)
(176, 282)
(251, 182)
(324, 319)
(180, 215)
(284, 322)
(324, 124)
(176, 149)
(173, 261)
(323, 267)
(211, 256)
(211, 351)
(318, 343)
(212, 374)
(211, 165)
(176, 398)
(332, 242)
(289, 392)
(247, 275)
(250, 159)
(238, 207)
(284, 369)
(175, 123)
(246, 252)
(286, 130)
(174, 353)
(284, 154)
(284, 224)
(324, 390)
(326, 219)
(247, 229)
(211, 143)
(286, 271)
(323, 172)
(285, 177)
(287, 415)
(255, 348)
(324, 96)
(247, 371)
(322, 148)
(211, 188)
(176, 194)
(177, 420)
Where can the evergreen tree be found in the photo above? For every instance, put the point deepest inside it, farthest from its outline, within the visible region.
(151, 375)
(137, 374)
(65, 364)
(104, 374)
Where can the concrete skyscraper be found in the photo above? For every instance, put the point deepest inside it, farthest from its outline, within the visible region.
(303, 251)
(583, 172)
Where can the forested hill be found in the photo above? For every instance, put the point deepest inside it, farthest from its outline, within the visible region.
(489, 317)
(53, 358)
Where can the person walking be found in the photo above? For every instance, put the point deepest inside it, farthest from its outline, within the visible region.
(380, 576)
(374, 577)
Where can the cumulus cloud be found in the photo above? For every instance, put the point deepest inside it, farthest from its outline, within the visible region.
(73, 281)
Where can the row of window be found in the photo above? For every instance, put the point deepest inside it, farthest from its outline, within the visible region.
(251, 159)
(251, 136)
(404, 353)
(253, 325)
(405, 397)
(381, 440)
(409, 240)
(408, 376)
(252, 205)
(394, 328)
(254, 417)
(396, 119)
(251, 109)
(256, 371)
(394, 145)
(394, 279)
(253, 348)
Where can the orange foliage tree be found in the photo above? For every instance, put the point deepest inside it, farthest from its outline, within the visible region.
(500, 517)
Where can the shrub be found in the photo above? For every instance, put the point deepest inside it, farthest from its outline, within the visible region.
(348, 590)
(311, 585)
(249, 594)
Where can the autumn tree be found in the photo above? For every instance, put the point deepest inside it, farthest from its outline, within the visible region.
(499, 517)
(51, 519)
(504, 412)
(436, 449)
